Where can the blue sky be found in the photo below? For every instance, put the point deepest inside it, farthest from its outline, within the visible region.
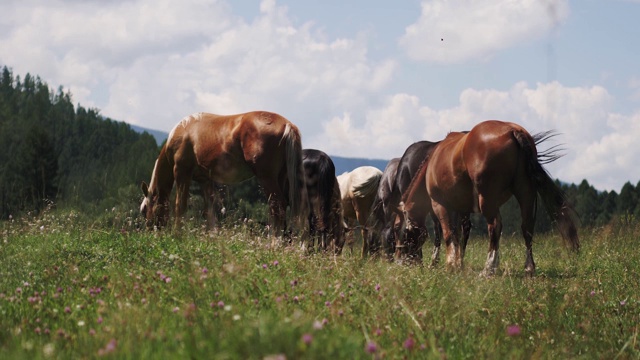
(360, 78)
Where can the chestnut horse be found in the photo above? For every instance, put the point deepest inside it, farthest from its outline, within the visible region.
(479, 171)
(358, 189)
(229, 149)
(325, 215)
(411, 206)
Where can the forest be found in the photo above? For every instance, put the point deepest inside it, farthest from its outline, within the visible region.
(57, 154)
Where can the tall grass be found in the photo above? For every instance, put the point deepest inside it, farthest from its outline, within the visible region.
(73, 287)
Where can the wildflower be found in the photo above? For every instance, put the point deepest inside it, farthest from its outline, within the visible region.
(37, 330)
(236, 317)
(340, 312)
(99, 320)
(227, 308)
(307, 338)
(317, 325)
(176, 309)
(109, 348)
(67, 310)
(592, 293)
(80, 323)
(18, 290)
(296, 299)
(513, 330)
(167, 280)
(205, 270)
(623, 302)
(371, 347)
(275, 263)
(264, 266)
(220, 304)
(294, 282)
(378, 332)
(327, 303)
(377, 287)
(409, 343)
(92, 332)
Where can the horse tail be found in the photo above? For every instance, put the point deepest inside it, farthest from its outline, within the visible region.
(554, 199)
(298, 198)
(369, 186)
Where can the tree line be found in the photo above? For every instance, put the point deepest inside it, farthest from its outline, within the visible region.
(54, 152)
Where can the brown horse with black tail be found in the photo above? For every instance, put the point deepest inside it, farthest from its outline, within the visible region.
(479, 171)
(229, 149)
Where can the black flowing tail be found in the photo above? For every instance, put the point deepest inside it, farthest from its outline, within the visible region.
(554, 199)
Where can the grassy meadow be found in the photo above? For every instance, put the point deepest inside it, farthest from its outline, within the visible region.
(74, 288)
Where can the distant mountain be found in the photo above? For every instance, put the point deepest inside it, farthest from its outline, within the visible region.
(342, 164)
(160, 136)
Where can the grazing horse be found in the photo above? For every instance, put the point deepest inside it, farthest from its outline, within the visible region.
(479, 171)
(412, 205)
(325, 215)
(229, 149)
(358, 189)
(381, 228)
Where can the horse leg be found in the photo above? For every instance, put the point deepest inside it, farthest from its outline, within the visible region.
(183, 181)
(494, 227)
(527, 210)
(466, 230)
(437, 240)
(209, 195)
(448, 222)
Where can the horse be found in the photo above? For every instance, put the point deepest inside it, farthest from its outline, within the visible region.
(411, 206)
(381, 233)
(479, 171)
(357, 190)
(227, 149)
(325, 215)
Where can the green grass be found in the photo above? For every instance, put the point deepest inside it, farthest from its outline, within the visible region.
(71, 287)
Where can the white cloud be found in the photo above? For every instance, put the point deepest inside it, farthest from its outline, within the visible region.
(599, 146)
(455, 31)
(154, 62)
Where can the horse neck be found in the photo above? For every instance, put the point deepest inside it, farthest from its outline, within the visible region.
(162, 178)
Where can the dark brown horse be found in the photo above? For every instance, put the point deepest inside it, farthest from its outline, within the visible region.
(229, 149)
(412, 206)
(325, 215)
(381, 220)
(481, 170)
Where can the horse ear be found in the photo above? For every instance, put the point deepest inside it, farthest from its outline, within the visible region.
(145, 188)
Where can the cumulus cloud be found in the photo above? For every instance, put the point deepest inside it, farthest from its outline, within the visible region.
(455, 31)
(599, 145)
(153, 62)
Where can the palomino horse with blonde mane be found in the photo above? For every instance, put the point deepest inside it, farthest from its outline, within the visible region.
(229, 149)
(358, 189)
(479, 171)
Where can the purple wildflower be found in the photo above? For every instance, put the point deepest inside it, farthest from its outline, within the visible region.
(409, 343)
(377, 287)
(513, 330)
(371, 347)
(307, 338)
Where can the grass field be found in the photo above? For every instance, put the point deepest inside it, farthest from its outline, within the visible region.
(73, 288)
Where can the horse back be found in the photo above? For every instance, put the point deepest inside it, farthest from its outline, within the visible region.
(492, 155)
(230, 147)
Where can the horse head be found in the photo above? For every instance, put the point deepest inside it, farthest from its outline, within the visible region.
(155, 212)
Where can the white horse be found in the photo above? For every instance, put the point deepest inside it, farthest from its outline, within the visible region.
(358, 189)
